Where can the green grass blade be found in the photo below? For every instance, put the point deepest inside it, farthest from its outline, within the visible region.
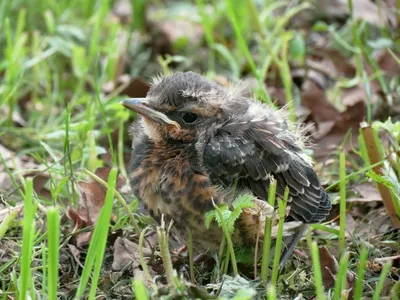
(208, 33)
(395, 292)
(7, 222)
(271, 294)
(53, 232)
(104, 224)
(319, 287)
(245, 49)
(27, 240)
(44, 270)
(341, 278)
(382, 278)
(352, 175)
(139, 11)
(140, 290)
(99, 238)
(267, 234)
(278, 244)
(342, 232)
(121, 162)
(358, 289)
(120, 199)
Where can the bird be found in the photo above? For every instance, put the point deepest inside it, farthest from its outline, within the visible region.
(197, 144)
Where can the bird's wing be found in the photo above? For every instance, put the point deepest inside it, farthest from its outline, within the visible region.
(253, 149)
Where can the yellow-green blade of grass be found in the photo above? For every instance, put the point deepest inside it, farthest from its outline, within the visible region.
(104, 219)
(342, 185)
(140, 290)
(7, 221)
(341, 277)
(43, 249)
(319, 287)
(207, 25)
(278, 244)
(267, 234)
(27, 240)
(245, 49)
(271, 293)
(395, 292)
(382, 278)
(358, 289)
(97, 245)
(53, 233)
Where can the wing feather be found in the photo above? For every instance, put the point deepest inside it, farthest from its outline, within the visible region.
(251, 150)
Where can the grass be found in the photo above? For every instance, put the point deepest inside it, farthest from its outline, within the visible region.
(267, 235)
(27, 241)
(53, 228)
(61, 125)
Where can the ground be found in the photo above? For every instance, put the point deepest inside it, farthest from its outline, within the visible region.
(64, 143)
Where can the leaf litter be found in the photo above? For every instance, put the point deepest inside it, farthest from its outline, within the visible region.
(330, 101)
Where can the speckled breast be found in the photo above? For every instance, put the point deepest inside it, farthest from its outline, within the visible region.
(166, 179)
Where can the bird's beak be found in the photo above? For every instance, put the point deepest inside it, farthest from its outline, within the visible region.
(141, 106)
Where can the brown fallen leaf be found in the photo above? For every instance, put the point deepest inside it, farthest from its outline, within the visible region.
(330, 268)
(39, 183)
(326, 64)
(126, 253)
(388, 64)
(362, 9)
(314, 98)
(368, 193)
(91, 201)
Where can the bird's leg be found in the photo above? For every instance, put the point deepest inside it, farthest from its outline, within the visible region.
(287, 252)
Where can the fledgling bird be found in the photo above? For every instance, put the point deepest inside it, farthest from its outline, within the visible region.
(196, 140)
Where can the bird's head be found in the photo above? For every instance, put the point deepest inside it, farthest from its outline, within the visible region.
(179, 106)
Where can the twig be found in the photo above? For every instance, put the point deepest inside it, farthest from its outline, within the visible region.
(374, 157)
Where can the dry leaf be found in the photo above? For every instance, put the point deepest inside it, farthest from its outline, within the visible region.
(330, 268)
(125, 253)
(367, 191)
(314, 98)
(362, 9)
(388, 64)
(91, 201)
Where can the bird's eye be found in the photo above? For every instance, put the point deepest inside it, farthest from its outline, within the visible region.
(189, 117)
